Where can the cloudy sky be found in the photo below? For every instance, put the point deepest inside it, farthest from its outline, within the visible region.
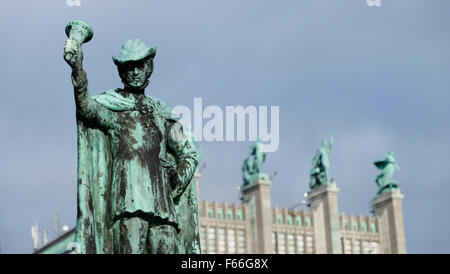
(378, 78)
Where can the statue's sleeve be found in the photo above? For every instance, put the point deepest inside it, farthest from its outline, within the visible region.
(86, 106)
(187, 157)
(381, 164)
(185, 196)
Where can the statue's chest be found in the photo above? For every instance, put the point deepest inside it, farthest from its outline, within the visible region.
(136, 135)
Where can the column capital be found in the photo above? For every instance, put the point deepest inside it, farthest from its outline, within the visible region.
(387, 197)
(322, 190)
(252, 186)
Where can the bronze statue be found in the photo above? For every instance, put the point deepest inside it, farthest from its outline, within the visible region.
(135, 164)
(319, 174)
(384, 180)
(251, 168)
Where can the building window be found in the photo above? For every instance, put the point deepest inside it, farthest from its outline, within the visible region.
(374, 248)
(300, 244)
(289, 220)
(281, 243)
(290, 244)
(202, 212)
(308, 221)
(221, 240)
(231, 241)
(355, 226)
(373, 228)
(220, 213)
(364, 227)
(239, 215)
(357, 247)
(280, 219)
(211, 240)
(348, 246)
(347, 226)
(298, 220)
(210, 213)
(309, 244)
(230, 215)
(274, 241)
(366, 249)
(203, 238)
(241, 241)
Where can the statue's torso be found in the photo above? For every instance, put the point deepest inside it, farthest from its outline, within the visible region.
(139, 182)
(386, 176)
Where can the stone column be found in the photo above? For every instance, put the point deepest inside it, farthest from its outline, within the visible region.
(197, 183)
(323, 201)
(257, 197)
(387, 207)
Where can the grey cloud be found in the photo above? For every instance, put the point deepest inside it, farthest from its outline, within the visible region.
(375, 77)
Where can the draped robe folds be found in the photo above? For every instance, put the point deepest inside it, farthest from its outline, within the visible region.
(384, 180)
(97, 191)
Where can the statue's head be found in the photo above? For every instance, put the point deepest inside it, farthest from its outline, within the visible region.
(390, 156)
(135, 63)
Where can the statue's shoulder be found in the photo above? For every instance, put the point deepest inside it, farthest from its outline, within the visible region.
(162, 109)
(112, 100)
(107, 93)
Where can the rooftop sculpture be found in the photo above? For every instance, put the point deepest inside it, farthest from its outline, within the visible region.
(251, 168)
(388, 166)
(319, 174)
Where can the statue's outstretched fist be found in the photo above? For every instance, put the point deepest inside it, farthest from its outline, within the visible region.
(73, 54)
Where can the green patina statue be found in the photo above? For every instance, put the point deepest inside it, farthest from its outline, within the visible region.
(319, 174)
(251, 169)
(135, 164)
(384, 180)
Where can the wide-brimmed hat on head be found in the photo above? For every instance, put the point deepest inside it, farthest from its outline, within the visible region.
(134, 50)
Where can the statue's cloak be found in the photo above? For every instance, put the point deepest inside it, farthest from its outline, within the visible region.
(381, 164)
(93, 234)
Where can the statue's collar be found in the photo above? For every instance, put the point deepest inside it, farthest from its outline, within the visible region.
(113, 100)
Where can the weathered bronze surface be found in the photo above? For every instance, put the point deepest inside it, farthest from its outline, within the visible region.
(388, 166)
(319, 174)
(135, 164)
(251, 168)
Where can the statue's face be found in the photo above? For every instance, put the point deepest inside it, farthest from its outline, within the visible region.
(136, 74)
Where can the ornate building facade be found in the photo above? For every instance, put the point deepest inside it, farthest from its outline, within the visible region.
(254, 226)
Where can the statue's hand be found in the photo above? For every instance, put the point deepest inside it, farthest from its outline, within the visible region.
(73, 54)
(176, 193)
(177, 187)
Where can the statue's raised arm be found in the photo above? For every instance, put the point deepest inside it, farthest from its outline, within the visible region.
(330, 142)
(260, 155)
(78, 33)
